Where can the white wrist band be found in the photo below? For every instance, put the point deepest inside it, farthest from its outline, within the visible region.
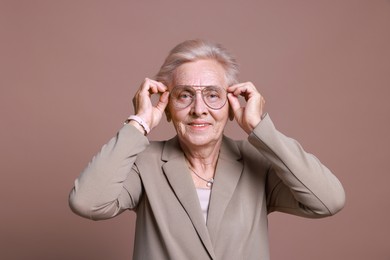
(139, 121)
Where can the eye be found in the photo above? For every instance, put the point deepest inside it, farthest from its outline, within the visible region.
(212, 94)
(184, 95)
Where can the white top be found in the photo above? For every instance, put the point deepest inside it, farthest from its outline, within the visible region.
(204, 198)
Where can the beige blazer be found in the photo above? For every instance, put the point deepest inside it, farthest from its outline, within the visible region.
(268, 172)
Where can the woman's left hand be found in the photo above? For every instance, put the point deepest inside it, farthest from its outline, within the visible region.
(249, 116)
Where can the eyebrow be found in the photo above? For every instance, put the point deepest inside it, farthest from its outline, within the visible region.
(198, 86)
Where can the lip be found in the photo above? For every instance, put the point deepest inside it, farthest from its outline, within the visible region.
(199, 124)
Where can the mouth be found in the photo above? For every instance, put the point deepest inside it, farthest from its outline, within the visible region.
(199, 125)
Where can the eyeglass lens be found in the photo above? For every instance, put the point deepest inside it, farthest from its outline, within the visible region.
(213, 96)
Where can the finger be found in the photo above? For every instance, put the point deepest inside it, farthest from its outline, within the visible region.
(163, 101)
(161, 87)
(148, 86)
(234, 102)
(232, 89)
(156, 90)
(235, 106)
(141, 99)
(240, 85)
(153, 87)
(242, 89)
(156, 87)
(145, 85)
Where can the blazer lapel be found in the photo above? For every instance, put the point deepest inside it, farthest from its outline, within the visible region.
(179, 177)
(227, 175)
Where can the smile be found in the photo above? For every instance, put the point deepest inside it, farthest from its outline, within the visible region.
(199, 125)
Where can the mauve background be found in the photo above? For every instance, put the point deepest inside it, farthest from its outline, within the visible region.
(69, 69)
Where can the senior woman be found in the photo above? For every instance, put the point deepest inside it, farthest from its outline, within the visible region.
(201, 195)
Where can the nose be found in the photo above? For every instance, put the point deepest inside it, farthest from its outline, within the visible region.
(199, 107)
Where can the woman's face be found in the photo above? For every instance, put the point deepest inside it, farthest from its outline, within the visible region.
(198, 125)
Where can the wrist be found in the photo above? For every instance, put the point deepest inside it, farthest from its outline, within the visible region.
(139, 123)
(136, 125)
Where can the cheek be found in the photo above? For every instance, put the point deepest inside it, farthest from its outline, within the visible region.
(221, 116)
(171, 112)
(177, 117)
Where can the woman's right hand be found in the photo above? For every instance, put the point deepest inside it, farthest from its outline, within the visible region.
(142, 102)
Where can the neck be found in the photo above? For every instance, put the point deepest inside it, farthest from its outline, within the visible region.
(202, 158)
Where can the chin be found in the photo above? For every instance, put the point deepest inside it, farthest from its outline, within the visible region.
(198, 137)
(199, 140)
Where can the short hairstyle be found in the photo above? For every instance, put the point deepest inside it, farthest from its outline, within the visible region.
(193, 50)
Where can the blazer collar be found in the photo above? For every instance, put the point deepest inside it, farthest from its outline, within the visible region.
(228, 150)
(227, 174)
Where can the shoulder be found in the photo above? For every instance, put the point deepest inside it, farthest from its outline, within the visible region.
(153, 150)
(243, 150)
(160, 151)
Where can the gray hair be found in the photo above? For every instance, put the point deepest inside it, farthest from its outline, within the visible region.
(193, 50)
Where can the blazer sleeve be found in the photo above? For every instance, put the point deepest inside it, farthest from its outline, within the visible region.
(297, 182)
(110, 183)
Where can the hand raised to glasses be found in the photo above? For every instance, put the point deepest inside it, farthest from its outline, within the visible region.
(249, 116)
(142, 102)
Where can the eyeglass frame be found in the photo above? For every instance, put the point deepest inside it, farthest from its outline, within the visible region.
(200, 88)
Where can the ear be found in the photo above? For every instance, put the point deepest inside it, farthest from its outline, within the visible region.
(168, 114)
(231, 113)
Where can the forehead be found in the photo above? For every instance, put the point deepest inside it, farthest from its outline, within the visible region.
(200, 73)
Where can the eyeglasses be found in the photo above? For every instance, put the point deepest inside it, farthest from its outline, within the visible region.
(183, 96)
